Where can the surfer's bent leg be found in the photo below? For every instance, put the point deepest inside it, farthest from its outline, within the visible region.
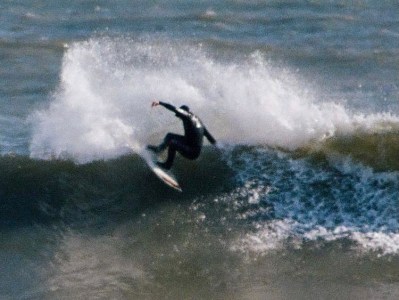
(166, 141)
(172, 142)
(177, 143)
(171, 139)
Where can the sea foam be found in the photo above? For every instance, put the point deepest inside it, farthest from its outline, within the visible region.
(311, 203)
(101, 108)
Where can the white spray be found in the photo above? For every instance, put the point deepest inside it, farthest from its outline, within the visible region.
(102, 106)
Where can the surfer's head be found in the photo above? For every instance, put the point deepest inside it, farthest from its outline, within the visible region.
(185, 107)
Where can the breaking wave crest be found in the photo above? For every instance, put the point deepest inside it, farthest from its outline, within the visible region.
(101, 108)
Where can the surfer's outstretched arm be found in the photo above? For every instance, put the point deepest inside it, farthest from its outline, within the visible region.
(178, 111)
(168, 106)
(164, 104)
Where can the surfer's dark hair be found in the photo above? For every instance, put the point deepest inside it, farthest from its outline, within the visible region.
(185, 107)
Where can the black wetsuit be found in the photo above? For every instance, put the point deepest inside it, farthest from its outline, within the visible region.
(190, 144)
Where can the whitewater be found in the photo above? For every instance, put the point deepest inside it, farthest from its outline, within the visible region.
(107, 86)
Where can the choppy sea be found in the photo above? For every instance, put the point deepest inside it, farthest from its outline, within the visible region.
(299, 201)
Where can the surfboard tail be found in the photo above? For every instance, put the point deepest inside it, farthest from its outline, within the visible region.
(163, 175)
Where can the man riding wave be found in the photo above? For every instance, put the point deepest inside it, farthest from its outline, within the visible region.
(189, 145)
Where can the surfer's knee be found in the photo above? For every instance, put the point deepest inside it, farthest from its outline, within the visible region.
(171, 139)
(167, 138)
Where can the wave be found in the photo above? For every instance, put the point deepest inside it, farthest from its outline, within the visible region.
(273, 199)
(375, 147)
(294, 202)
(46, 191)
(296, 167)
(101, 108)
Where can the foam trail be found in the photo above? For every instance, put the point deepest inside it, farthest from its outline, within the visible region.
(102, 106)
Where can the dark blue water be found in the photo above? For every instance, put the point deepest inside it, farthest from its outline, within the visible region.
(299, 200)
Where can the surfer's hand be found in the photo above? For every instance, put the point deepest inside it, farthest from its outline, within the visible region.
(154, 103)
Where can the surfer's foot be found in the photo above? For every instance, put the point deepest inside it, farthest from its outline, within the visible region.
(164, 165)
(152, 148)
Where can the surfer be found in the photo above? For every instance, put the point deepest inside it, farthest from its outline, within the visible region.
(189, 145)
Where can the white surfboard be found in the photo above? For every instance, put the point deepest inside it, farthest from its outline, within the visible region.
(165, 176)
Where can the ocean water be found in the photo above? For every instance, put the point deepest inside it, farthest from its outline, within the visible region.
(299, 201)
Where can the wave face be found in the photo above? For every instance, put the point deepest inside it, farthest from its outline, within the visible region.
(54, 191)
